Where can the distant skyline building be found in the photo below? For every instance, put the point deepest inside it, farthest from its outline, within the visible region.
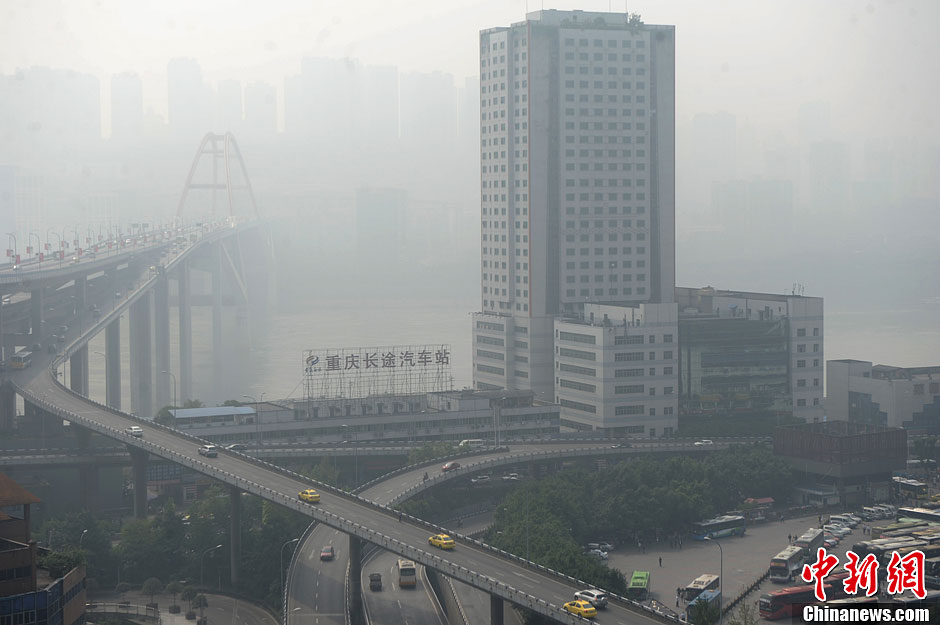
(907, 397)
(229, 113)
(127, 106)
(187, 101)
(260, 108)
(577, 161)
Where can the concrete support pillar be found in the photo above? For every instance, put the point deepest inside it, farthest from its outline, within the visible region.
(186, 332)
(496, 610)
(49, 425)
(112, 364)
(235, 535)
(88, 478)
(78, 371)
(35, 313)
(161, 318)
(7, 407)
(82, 436)
(141, 360)
(216, 265)
(139, 461)
(355, 580)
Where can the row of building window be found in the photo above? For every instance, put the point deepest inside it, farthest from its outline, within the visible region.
(600, 292)
(599, 43)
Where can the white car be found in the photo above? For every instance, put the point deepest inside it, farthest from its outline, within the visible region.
(597, 553)
(134, 431)
(596, 598)
(480, 478)
(704, 443)
(838, 530)
(511, 477)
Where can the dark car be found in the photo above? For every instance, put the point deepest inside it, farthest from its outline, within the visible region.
(375, 581)
(327, 553)
(450, 466)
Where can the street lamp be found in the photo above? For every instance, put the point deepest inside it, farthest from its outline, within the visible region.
(292, 540)
(80, 538)
(13, 236)
(721, 575)
(202, 562)
(257, 415)
(171, 374)
(38, 244)
(355, 448)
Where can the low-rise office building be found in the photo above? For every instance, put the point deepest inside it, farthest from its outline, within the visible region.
(749, 351)
(616, 369)
(907, 397)
(380, 419)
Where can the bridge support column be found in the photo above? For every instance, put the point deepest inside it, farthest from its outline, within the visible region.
(82, 436)
(235, 534)
(355, 581)
(161, 318)
(7, 407)
(496, 610)
(88, 478)
(112, 364)
(186, 332)
(78, 371)
(139, 462)
(35, 313)
(141, 362)
(216, 265)
(49, 424)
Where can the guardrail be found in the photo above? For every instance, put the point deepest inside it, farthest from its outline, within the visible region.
(124, 609)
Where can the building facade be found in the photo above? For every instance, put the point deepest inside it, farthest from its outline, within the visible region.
(616, 369)
(379, 420)
(907, 397)
(750, 351)
(577, 158)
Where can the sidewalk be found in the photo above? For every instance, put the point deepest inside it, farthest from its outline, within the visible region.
(221, 609)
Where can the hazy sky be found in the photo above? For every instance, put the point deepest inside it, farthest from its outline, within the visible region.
(874, 61)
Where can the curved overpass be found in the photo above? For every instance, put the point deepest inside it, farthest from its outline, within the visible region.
(473, 563)
(497, 573)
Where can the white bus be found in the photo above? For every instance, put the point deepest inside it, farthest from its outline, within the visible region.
(699, 585)
(407, 576)
(786, 565)
(21, 360)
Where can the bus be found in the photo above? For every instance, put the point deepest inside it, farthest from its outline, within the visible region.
(719, 527)
(707, 597)
(639, 585)
(911, 489)
(789, 601)
(809, 542)
(21, 360)
(472, 443)
(878, 546)
(929, 551)
(786, 565)
(407, 577)
(910, 526)
(699, 585)
(922, 514)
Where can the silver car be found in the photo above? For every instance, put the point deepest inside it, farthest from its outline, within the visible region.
(596, 598)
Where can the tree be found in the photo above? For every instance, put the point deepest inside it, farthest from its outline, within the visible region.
(174, 588)
(165, 417)
(193, 403)
(122, 589)
(152, 586)
(232, 402)
(704, 613)
(744, 615)
(188, 595)
(58, 563)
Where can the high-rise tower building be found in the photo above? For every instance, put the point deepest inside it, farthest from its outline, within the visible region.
(577, 171)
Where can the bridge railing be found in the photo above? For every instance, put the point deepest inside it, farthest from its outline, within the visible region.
(124, 609)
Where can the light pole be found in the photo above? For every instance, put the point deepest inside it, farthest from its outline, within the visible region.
(82, 537)
(202, 562)
(292, 540)
(721, 575)
(13, 258)
(257, 415)
(172, 375)
(38, 244)
(355, 450)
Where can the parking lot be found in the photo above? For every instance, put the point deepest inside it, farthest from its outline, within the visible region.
(745, 559)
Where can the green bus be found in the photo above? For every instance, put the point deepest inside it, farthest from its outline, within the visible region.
(639, 585)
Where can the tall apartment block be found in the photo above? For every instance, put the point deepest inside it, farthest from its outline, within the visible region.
(577, 155)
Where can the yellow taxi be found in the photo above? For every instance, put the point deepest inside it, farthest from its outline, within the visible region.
(309, 495)
(441, 540)
(581, 608)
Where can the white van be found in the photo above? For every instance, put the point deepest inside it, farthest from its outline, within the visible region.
(843, 519)
(472, 443)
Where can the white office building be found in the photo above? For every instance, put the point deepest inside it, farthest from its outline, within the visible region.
(616, 369)
(907, 397)
(577, 178)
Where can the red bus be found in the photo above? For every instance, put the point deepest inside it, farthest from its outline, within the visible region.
(790, 601)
